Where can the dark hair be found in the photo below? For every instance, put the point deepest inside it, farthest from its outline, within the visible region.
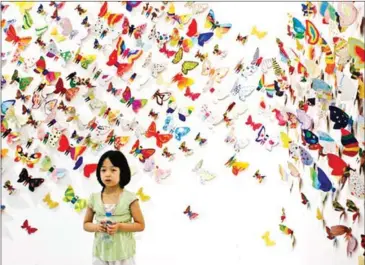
(118, 160)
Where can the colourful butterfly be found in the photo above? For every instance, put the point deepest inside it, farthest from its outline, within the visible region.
(190, 214)
(237, 166)
(141, 153)
(23, 82)
(212, 24)
(48, 75)
(11, 36)
(144, 197)
(64, 146)
(160, 138)
(127, 98)
(29, 160)
(70, 196)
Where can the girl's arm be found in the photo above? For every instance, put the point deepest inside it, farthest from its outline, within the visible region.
(138, 224)
(89, 226)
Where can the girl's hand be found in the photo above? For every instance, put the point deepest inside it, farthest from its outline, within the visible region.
(101, 228)
(112, 228)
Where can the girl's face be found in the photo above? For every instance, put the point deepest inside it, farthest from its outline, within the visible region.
(109, 174)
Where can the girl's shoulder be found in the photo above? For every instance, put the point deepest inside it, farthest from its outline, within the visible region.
(129, 196)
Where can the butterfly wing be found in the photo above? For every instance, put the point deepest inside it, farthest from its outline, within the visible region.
(80, 205)
(325, 183)
(337, 164)
(339, 117)
(210, 20)
(356, 50)
(181, 132)
(220, 73)
(188, 66)
(146, 153)
(222, 29)
(178, 56)
(138, 104)
(35, 183)
(204, 38)
(63, 144)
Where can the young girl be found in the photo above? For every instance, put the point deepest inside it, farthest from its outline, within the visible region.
(113, 174)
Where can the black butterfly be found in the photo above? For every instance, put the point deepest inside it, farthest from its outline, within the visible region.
(33, 183)
(161, 97)
(339, 117)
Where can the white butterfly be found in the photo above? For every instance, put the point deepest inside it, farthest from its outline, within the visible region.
(204, 174)
(157, 68)
(197, 8)
(242, 89)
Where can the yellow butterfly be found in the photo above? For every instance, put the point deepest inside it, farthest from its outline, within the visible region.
(285, 139)
(268, 241)
(319, 214)
(4, 152)
(300, 46)
(142, 195)
(283, 173)
(59, 37)
(257, 33)
(51, 204)
(23, 6)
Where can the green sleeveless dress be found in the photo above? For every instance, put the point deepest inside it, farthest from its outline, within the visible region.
(123, 245)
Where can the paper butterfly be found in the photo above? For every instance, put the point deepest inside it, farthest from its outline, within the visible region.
(157, 68)
(142, 154)
(28, 228)
(29, 160)
(52, 171)
(48, 75)
(268, 241)
(190, 214)
(214, 74)
(23, 82)
(136, 104)
(28, 180)
(64, 146)
(241, 89)
(340, 118)
(160, 138)
(265, 140)
(212, 24)
(204, 175)
(144, 197)
(11, 36)
(320, 180)
(257, 33)
(69, 93)
(161, 174)
(237, 166)
(201, 38)
(79, 204)
(50, 203)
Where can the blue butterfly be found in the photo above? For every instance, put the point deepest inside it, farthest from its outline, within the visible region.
(181, 132)
(5, 105)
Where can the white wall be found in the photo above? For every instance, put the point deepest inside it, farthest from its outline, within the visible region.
(234, 211)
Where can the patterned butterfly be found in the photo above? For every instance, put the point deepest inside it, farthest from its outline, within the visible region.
(160, 138)
(28, 180)
(79, 204)
(212, 24)
(29, 160)
(161, 97)
(190, 214)
(144, 197)
(136, 104)
(141, 153)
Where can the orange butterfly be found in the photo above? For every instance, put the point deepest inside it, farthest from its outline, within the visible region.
(160, 138)
(69, 93)
(11, 36)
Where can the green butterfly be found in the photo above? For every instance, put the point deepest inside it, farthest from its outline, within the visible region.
(178, 56)
(80, 204)
(188, 66)
(23, 82)
(28, 21)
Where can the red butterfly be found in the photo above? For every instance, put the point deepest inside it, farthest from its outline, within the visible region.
(64, 146)
(69, 93)
(89, 169)
(190, 213)
(11, 36)
(160, 138)
(255, 126)
(191, 95)
(168, 53)
(142, 154)
(29, 229)
(339, 168)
